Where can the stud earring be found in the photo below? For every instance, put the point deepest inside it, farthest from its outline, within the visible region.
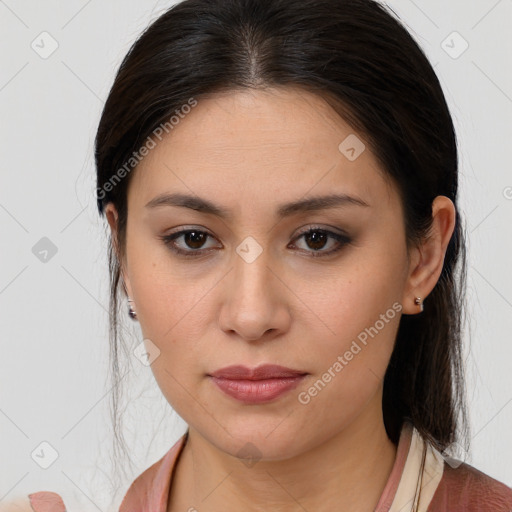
(418, 302)
(131, 312)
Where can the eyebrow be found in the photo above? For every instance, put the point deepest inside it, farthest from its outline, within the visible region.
(202, 205)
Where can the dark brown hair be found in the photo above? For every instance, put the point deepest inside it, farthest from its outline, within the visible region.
(357, 55)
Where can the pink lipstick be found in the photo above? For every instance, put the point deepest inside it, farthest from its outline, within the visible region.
(258, 385)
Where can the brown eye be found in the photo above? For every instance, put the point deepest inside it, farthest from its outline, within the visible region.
(194, 239)
(317, 238)
(192, 244)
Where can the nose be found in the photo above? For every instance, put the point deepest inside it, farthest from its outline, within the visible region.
(255, 301)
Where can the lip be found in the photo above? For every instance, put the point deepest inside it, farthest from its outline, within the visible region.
(262, 372)
(256, 385)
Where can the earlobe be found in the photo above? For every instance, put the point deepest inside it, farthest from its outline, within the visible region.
(412, 300)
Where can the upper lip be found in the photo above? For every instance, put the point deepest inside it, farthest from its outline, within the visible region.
(264, 371)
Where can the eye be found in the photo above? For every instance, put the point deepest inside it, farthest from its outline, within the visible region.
(192, 238)
(317, 238)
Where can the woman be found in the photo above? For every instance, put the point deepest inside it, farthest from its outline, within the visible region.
(280, 181)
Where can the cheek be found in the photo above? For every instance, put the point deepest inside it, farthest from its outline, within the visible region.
(349, 369)
(356, 356)
(357, 313)
(168, 295)
(346, 302)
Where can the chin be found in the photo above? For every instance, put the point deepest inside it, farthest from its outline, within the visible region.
(261, 440)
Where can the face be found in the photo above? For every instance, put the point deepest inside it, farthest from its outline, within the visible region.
(314, 290)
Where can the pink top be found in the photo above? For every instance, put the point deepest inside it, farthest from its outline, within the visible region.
(441, 485)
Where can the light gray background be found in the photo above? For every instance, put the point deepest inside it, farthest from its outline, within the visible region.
(54, 314)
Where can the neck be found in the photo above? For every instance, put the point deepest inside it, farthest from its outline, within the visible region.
(348, 471)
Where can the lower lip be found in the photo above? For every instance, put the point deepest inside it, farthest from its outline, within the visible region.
(257, 391)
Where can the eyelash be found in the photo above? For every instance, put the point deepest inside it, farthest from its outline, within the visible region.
(343, 240)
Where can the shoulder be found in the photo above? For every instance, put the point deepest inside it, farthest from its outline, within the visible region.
(465, 488)
(139, 493)
(150, 490)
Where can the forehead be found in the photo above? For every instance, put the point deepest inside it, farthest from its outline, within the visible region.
(267, 145)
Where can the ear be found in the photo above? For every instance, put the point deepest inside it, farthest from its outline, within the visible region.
(112, 218)
(426, 261)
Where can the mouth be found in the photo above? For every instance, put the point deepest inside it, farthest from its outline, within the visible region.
(256, 385)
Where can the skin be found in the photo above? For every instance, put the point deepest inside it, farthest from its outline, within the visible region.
(250, 152)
